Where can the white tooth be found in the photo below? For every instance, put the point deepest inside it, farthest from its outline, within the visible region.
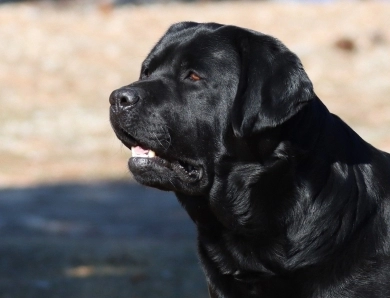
(151, 153)
(132, 151)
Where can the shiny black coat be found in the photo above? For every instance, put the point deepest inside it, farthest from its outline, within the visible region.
(288, 200)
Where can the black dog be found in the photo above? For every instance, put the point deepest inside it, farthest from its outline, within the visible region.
(288, 200)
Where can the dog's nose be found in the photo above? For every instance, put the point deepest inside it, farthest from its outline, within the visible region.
(124, 97)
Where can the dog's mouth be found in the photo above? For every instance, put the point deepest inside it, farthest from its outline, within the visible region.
(144, 160)
(185, 170)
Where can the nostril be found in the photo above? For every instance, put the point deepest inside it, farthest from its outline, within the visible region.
(128, 99)
(124, 97)
(123, 100)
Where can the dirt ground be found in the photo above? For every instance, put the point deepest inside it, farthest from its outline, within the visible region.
(69, 226)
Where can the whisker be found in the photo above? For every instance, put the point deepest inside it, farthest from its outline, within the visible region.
(166, 129)
(158, 140)
(171, 182)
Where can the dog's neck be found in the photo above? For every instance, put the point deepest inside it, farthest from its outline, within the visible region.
(332, 213)
(291, 208)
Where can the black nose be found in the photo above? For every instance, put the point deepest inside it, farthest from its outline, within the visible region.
(124, 97)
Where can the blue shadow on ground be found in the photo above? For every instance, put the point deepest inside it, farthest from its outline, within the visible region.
(110, 209)
(100, 239)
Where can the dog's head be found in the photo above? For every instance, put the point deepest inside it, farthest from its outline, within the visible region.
(205, 91)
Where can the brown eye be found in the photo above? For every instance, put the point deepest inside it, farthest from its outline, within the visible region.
(146, 72)
(194, 77)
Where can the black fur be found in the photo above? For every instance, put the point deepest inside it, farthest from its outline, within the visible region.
(288, 200)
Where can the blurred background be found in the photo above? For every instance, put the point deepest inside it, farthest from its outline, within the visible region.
(72, 222)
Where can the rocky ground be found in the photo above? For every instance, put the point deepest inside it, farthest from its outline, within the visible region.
(64, 232)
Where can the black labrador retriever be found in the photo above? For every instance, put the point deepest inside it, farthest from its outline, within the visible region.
(287, 199)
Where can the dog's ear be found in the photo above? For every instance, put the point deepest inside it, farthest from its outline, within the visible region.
(273, 85)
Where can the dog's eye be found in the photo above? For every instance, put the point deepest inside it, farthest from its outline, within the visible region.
(194, 77)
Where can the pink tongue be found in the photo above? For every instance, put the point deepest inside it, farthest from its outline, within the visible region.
(140, 150)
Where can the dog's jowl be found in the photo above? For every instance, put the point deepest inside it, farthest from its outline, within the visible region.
(288, 200)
